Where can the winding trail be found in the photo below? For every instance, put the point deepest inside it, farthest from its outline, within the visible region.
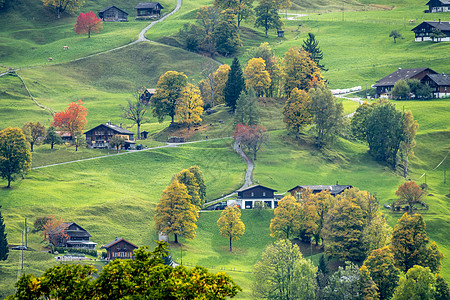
(359, 100)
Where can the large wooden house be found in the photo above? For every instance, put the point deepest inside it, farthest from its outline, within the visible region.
(71, 235)
(439, 83)
(246, 197)
(438, 6)
(385, 85)
(315, 189)
(148, 10)
(100, 136)
(423, 32)
(119, 248)
(113, 14)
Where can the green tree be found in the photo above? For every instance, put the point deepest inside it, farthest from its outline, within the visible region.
(242, 8)
(226, 34)
(267, 15)
(117, 141)
(311, 45)
(299, 71)
(328, 114)
(168, 90)
(369, 287)
(235, 84)
(282, 273)
(401, 90)
(409, 244)
(376, 234)
(442, 289)
(410, 193)
(64, 5)
(256, 76)
(385, 133)
(396, 35)
(52, 137)
(135, 111)
(33, 131)
(247, 111)
(418, 283)
(288, 219)
(259, 206)
(410, 127)
(207, 18)
(190, 106)
(272, 65)
(230, 224)
(3, 241)
(437, 35)
(188, 178)
(359, 121)
(385, 274)
(198, 174)
(297, 111)
(15, 156)
(79, 140)
(175, 214)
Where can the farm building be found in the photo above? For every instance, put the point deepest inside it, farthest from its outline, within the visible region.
(100, 136)
(424, 31)
(438, 6)
(315, 189)
(119, 248)
(113, 14)
(385, 85)
(148, 10)
(440, 84)
(146, 95)
(71, 235)
(248, 196)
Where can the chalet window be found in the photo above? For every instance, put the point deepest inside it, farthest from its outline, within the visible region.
(253, 194)
(264, 194)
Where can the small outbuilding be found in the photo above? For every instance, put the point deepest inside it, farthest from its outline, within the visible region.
(148, 10)
(113, 14)
(119, 248)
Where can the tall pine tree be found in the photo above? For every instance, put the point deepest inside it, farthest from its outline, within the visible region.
(235, 84)
(3, 242)
(311, 46)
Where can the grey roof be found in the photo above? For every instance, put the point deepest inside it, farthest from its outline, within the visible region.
(334, 189)
(254, 186)
(148, 5)
(392, 78)
(442, 2)
(441, 25)
(115, 242)
(78, 233)
(102, 11)
(116, 128)
(440, 79)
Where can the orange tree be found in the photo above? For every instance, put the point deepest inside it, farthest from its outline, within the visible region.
(87, 23)
(410, 193)
(72, 119)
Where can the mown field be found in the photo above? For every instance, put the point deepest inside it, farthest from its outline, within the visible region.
(116, 196)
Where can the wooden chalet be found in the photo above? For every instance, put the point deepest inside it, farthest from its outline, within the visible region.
(247, 197)
(113, 14)
(438, 6)
(148, 10)
(146, 95)
(75, 236)
(119, 248)
(424, 30)
(439, 83)
(315, 189)
(385, 85)
(100, 136)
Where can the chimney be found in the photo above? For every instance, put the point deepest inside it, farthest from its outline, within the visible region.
(109, 122)
(439, 21)
(116, 238)
(337, 182)
(120, 125)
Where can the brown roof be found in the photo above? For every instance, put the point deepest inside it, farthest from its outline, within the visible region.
(392, 78)
(148, 5)
(109, 245)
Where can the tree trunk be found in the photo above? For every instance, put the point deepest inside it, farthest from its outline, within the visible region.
(31, 144)
(59, 13)
(51, 146)
(173, 119)
(138, 131)
(9, 181)
(76, 147)
(176, 239)
(89, 33)
(406, 162)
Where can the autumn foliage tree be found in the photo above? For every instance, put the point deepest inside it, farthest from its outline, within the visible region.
(256, 76)
(250, 136)
(297, 111)
(189, 179)
(72, 119)
(190, 106)
(63, 5)
(230, 224)
(410, 193)
(33, 131)
(87, 23)
(288, 218)
(54, 231)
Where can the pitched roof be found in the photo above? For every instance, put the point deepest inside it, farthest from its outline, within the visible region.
(79, 232)
(254, 186)
(116, 128)
(440, 79)
(441, 25)
(148, 5)
(441, 1)
(334, 189)
(392, 78)
(102, 11)
(117, 241)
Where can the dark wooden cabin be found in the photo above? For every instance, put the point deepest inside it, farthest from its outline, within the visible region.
(113, 14)
(315, 189)
(424, 30)
(247, 197)
(146, 95)
(148, 10)
(100, 136)
(439, 83)
(438, 6)
(119, 248)
(77, 237)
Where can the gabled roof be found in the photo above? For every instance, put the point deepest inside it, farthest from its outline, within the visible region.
(117, 241)
(148, 5)
(392, 78)
(115, 128)
(78, 232)
(333, 189)
(440, 79)
(441, 1)
(441, 25)
(102, 11)
(254, 186)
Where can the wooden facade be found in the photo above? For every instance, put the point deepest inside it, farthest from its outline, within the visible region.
(423, 32)
(119, 248)
(148, 10)
(76, 236)
(439, 83)
(113, 14)
(100, 136)
(247, 197)
(435, 6)
(315, 189)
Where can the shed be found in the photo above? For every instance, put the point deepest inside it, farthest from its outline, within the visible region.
(280, 33)
(113, 14)
(144, 135)
(148, 10)
(119, 248)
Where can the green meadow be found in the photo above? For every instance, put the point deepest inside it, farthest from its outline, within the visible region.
(116, 195)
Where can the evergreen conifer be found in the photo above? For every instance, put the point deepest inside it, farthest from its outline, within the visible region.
(235, 84)
(3, 242)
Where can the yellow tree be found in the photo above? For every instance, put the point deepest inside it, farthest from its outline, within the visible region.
(214, 84)
(256, 76)
(230, 224)
(297, 111)
(174, 213)
(190, 106)
(321, 203)
(299, 71)
(288, 218)
(63, 5)
(189, 179)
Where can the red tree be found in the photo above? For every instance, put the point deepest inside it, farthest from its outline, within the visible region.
(410, 193)
(251, 136)
(72, 119)
(55, 231)
(87, 23)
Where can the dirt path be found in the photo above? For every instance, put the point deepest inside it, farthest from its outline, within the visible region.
(359, 100)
